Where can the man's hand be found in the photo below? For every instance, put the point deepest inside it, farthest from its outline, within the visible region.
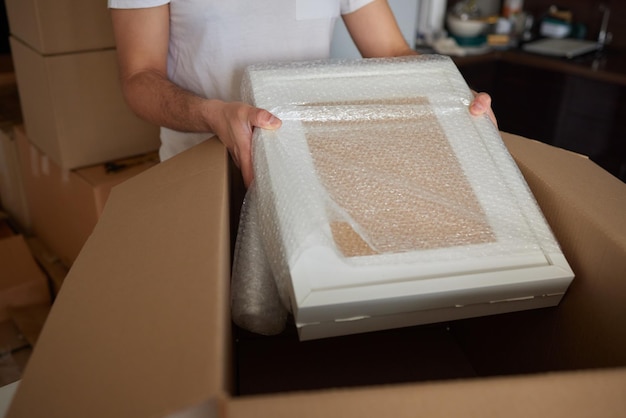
(376, 34)
(234, 123)
(481, 105)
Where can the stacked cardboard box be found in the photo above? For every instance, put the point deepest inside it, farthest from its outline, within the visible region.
(22, 281)
(65, 63)
(74, 122)
(64, 205)
(24, 303)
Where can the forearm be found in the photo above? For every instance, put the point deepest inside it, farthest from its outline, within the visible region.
(142, 40)
(156, 99)
(375, 31)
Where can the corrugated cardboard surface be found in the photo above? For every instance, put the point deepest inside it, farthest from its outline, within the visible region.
(74, 110)
(24, 303)
(49, 262)
(10, 338)
(61, 26)
(65, 205)
(14, 353)
(553, 395)
(586, 208)
(22, 283)
(141, 325)
(30, 319)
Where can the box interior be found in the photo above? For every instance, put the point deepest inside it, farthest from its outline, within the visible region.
(528, 342)
(282, 363)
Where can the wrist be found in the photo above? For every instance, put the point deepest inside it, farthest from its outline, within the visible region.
(211, 114)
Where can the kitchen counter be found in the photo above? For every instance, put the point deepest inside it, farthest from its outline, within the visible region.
(578, 104)
(606, 66)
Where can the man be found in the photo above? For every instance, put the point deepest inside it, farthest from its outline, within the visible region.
(181, 61)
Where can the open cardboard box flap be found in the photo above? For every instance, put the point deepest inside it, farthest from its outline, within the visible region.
(141, 327)
(571, 394)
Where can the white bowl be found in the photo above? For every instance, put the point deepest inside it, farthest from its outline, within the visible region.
(465, 28)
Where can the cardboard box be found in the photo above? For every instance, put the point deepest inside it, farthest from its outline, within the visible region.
(11, 339)
(22, 283)
(14, 352)
(30, 320)
(49, 263)
(585, 207)
(18, 336)
(141, 327)
(65, 205)
(61, 26)
(74, 110)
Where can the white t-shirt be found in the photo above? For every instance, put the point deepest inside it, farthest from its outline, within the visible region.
(212, 41)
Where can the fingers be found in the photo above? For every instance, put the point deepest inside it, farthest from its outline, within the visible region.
(481, 105)
(247, 172)
(259, 118)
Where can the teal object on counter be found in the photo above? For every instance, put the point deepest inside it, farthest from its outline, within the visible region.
(470, 41)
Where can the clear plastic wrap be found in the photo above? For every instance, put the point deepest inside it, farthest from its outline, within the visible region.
(378, 176)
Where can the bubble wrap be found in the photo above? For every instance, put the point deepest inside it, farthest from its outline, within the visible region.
(377, 175)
